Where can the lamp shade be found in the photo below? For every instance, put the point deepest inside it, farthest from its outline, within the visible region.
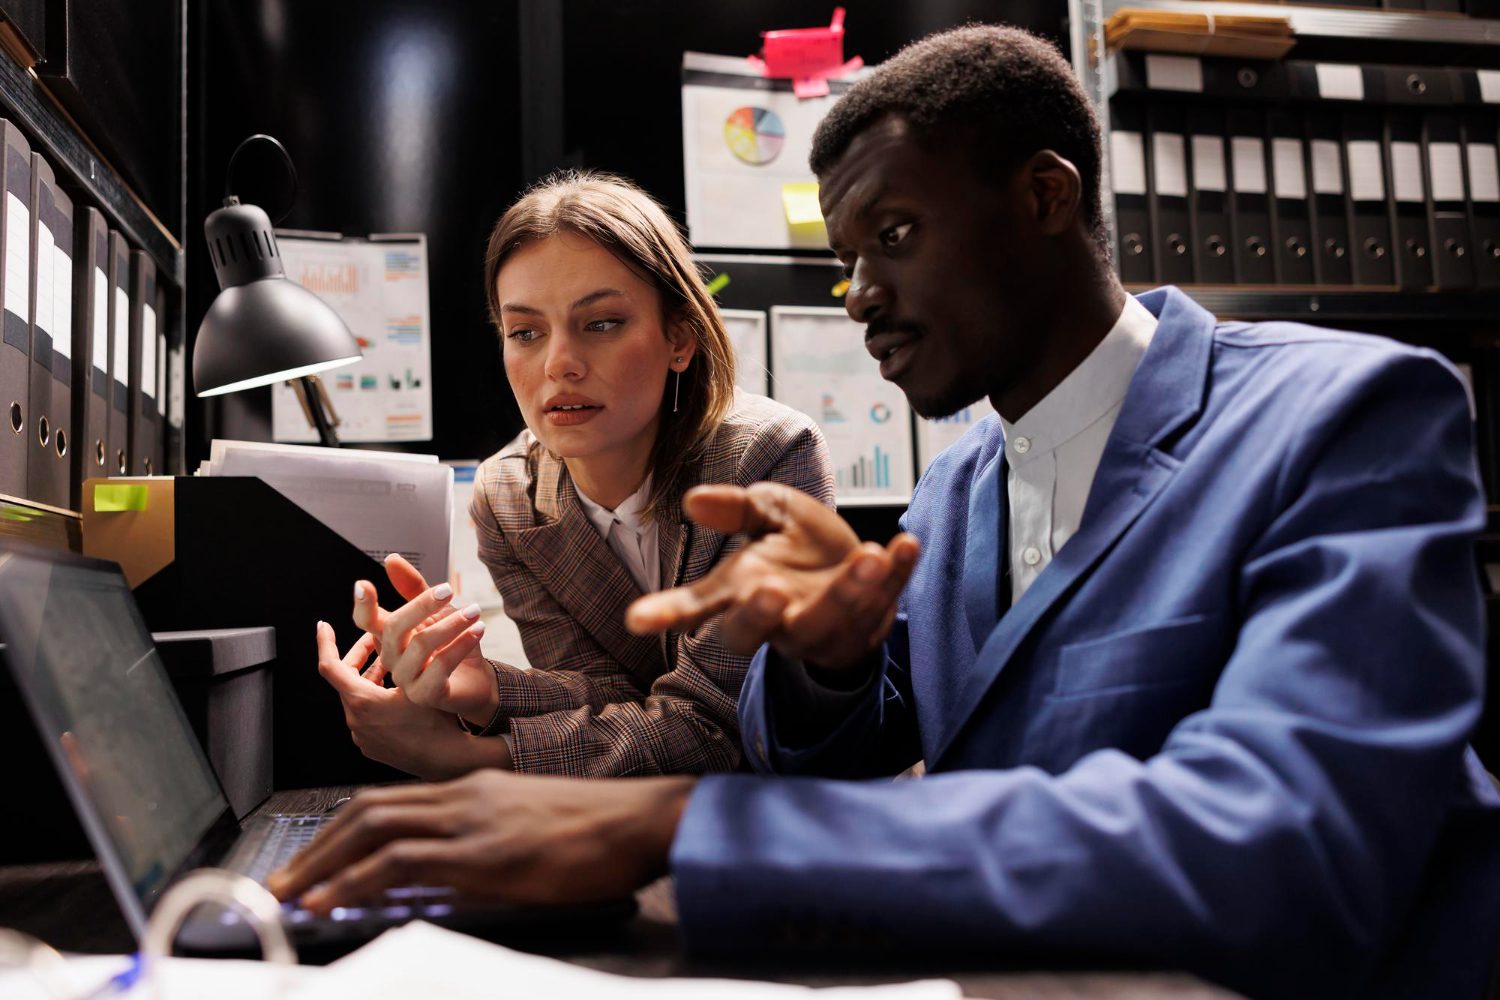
(261, 328)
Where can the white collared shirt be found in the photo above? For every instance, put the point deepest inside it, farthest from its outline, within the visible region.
(1054, 450)
(630, 535)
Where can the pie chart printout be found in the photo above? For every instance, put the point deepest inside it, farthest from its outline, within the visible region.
(754, 135)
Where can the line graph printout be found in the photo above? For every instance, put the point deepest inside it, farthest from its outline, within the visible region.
(378, 286)
(820, 366)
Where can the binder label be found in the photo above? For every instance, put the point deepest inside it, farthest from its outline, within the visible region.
(1484, 173)
(148, 350)
(1340, 82)
(17, 257)
(1327, 169)
(161, 376)
(62, 301)
(1287, 173)
(1127, 162)
(1183, 73)
(1445, 164)
(1366, 173)
(1249, 158)
(122, 336)
(44, 296)
(1208, 163)
(1489, 85)
(1169, 163)
(1406, 172)
(101, 320)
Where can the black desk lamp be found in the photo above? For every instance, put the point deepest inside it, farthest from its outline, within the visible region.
(263, 328)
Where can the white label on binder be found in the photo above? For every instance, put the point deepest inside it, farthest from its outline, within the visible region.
(44, 264)
(1489, 85)
(1127, 162)
(1445, 163)
(1208, 163)
(17, 257)
(1327, 169)
(1340, 82)
(1406, 172)
(101, 320)
(62, 301)
(161, 376)
(122, 336)
(1174, 73)
(1249, 157)
(1484, 172)
(148, 351)
(1366, 172)
(1169, 161)
(1287, 172)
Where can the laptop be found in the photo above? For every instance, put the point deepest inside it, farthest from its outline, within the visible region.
(143, 788)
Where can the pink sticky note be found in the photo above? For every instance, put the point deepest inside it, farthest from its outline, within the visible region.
(810, 86)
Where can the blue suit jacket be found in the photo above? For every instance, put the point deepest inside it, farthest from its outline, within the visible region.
(1225, 730)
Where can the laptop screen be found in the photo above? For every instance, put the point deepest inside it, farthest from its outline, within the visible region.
(85, 664)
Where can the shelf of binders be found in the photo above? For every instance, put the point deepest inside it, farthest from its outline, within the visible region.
(1329, 305)
(1342, 23)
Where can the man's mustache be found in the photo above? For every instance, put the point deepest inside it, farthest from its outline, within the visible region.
(880, 326)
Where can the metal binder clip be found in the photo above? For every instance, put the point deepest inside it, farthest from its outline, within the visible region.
(214, 885)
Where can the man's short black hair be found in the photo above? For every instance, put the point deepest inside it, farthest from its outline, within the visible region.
(1011, 92)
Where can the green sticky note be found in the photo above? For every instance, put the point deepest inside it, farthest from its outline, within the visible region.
(717, 284)
(110, 498)
(800, 200)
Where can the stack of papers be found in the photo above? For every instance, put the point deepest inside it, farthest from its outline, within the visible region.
(1257, 37)
(379, 501)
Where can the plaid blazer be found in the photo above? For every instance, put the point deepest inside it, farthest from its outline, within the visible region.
(599, 701)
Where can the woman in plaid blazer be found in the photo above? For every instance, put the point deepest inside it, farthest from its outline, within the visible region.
(625, 376)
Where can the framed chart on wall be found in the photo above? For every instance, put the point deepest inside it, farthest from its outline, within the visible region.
(820, 366)
(936, 434)
(747, 335)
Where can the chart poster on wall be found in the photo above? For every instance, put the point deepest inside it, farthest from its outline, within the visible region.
(378, 286)
(747, 335)
(821, 367)
(934, 435)
(745, 140)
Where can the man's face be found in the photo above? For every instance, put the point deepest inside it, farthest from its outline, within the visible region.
(936, 263)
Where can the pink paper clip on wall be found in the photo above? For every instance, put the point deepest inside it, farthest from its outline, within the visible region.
(809, 56)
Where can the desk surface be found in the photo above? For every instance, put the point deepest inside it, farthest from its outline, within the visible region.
(68, 905)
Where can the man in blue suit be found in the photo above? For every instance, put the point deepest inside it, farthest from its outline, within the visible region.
(1192, 650)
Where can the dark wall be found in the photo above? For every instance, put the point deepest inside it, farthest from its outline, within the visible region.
(431, 116)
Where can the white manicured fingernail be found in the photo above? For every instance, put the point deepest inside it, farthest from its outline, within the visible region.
(477, 628)
(359, 593)
(442, 592)
(471, 612)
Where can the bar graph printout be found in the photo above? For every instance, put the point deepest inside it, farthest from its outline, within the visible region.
(819, 366)
(934, 435)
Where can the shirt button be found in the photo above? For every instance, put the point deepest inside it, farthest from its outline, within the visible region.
(1022, 445)
(1031, 555)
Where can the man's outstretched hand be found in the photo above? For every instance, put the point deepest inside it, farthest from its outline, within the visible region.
(803, 582)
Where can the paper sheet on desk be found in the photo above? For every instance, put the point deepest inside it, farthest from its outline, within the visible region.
(379, 501)
(421, 960)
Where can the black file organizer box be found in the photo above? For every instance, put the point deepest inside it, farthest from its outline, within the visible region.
(231, 552)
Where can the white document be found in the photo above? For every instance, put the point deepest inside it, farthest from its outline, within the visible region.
(378, 286)
(822, 368)
(1169, 161)
(747, 335)
(741, 142)
(1208, 163)
(380, 502)
(1183, 73)
(937, 434)
(1127, 162)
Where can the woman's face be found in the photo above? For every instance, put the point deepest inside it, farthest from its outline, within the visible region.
(585, 348)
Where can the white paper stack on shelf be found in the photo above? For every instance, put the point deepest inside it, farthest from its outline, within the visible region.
(379, 501)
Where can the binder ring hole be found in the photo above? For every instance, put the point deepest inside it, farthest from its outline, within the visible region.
(17, 418)
(120, 462)
(1416, 84)
(1416, 249)
(1256, 246)
(1216, 246)
(1175, 242)
(1247, 77)
(61, 440)
(1133, 245)
(1455, 248)
(43, 432)
(1296, 246)
(1335, 248)
(1492, 249)
(1374, 249)
(99, 453)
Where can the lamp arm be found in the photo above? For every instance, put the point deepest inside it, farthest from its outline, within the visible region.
(312, 405)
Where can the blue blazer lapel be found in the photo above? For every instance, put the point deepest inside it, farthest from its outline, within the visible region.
(1166, 393)
(989, 509)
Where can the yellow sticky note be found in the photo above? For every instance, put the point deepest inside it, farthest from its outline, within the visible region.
(800, 200)
(112, 498)
(840, 289)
